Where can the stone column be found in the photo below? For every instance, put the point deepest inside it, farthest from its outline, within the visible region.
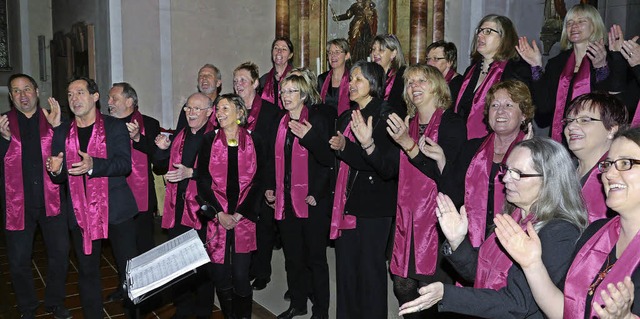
(418, 30)
(303, 29)
(282, 18)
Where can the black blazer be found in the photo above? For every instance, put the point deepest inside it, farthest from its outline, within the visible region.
(515, 300)
(374, 178)
(515, 69)
(249, 207)
(395, 100)
(545, 89)
(117, 165)
(452, 181)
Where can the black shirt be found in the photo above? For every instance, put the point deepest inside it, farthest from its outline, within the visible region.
(32, 166)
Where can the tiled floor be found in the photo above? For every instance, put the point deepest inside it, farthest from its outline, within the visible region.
(8, 308)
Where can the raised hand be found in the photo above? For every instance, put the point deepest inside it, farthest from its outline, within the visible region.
(53, 116)
(597, 53)
(337, 142)
(134, 130)
(54, 163)
(454, 225)
(432, 150)
(616, 38)
(82, 167)
(300, 129)
(429, 296)
(530, 53)
(617, 301)
(631, 51)
(399, 131)
(270, 197)
(5, 132)
(362, 130)
(180, 172)
(163, 142)
(524, 248)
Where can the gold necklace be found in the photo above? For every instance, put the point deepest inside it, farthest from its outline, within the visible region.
(232, 142)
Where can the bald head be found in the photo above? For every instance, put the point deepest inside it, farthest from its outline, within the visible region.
(198, 109)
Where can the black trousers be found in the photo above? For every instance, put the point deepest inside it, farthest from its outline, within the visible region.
(122, 238)
(361, 270)
(55, 233)
(234, 273)
(144, 231)
(304, 241)
(265, 237)
(193, 295)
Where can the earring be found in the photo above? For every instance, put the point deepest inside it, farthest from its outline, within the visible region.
(238, 121)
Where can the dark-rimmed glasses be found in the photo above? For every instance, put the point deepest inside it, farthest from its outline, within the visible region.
(188, 109)
(623, 164)
(434, 59)
(579, 120)
(516, 174)
(487, 31)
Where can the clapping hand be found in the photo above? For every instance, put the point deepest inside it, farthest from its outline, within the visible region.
(53, 116)
(134, 130)
(163, 142)
(429, 296)
(300, 129)
(524, 248)
(530, 53)
(454, 225)
(617, 299)
(5, 132)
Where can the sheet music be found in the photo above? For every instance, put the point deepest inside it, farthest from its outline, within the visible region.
(164, 263)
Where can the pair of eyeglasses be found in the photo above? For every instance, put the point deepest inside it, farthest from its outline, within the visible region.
(286, 92)
(435, 59)
(579, 120)
(515, 173)
(188, 109)
(623, 164)
(334, 53)
(487, 31)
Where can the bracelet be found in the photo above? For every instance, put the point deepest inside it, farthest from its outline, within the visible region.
(412, 147)
(368, 146)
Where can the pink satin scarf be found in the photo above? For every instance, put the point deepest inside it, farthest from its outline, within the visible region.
(391, 78)
(581, 85)
(594, 197)
(14, 183)
(138, 180)
(299, 170)
(415, 216)
(267, 90)
(339, 220)
(254, 113)
(343, 96)
(90, 202)
(245, 230)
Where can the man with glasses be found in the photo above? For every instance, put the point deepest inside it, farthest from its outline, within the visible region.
(30, 199)
(209, 84)
(178, 155)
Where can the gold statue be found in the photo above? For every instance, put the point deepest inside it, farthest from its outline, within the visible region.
(363, 27)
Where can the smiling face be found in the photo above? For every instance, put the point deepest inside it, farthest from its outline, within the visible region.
(227, 114)
(525, 192)
(81, 102)
(383, 56)
(505, 115)
(588, 139)
(488, 45)
(24, 95)
(197, 111)
(622, 188)
(119, 105)
(359, 88)
(292, 99)
(208, 83)
(579, 29)
(280, 53)
(419, 89)
(436, 57)
(243, 85)
(337, 57)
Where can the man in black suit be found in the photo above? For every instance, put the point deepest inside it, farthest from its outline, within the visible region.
(29, 199)
(93, 158)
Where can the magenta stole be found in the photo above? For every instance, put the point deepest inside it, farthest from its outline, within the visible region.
(475, 121)
(450, 74)
(267, 90)
(245, 230)
(14, 183)
(138, 180)
(189, 216)
(588, 262)
(90, 203)
(299, 170)
(343, 95)
(581, 85)
(416, 205)
(477, 188)
(340, 221)
(493, 264)
(594, 197)
(254, 112)
(636, 117)
(391, 78)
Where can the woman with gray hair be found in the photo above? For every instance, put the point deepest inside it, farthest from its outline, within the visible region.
(230, 165)
(300, 193)
(387, 52)
(542, 191)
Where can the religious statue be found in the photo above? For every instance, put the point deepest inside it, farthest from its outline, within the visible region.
(362, 29)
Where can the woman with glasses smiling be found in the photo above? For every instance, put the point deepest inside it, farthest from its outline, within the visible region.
(582, 66)
(591, 122)
(603, 279)
(493, 59)
(542, 194)
(333, 85)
